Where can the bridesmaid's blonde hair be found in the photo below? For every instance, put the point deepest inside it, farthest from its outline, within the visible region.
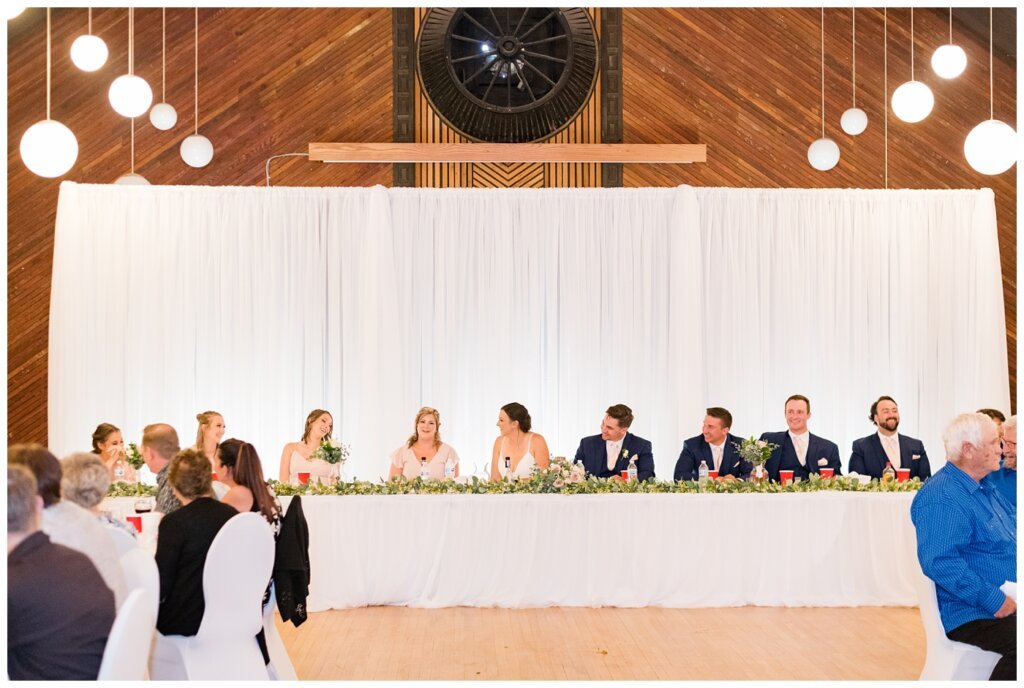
(426, 411)
(204, 418)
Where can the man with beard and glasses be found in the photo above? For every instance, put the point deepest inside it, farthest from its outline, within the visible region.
(872, 452)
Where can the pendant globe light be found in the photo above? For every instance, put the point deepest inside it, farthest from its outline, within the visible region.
(991, 147)
(132, 179)
(950, 60)
(163, 116)
(823, 154)
(196, 150)
(48, 148)
(13, 10)
(89, 52)
(129, 94)
(912, 101)
(854, 121)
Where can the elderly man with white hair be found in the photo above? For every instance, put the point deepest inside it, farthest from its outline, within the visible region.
(967, 542)
(1005, 479)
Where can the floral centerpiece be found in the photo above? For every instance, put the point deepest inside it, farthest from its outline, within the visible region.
(133, 456)
(756, 452)
(331, 451)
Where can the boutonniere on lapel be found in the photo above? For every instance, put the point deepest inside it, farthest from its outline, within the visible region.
(625, 454)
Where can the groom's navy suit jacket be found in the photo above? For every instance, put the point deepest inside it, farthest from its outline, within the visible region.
(593, 454)
(696, 449)
(784, 458)
(869, 457)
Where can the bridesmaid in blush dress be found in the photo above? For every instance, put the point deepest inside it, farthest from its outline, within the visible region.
(523, 448)
(295, 457)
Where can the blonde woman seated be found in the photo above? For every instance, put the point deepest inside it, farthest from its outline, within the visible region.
(424, 443)
(108, 443)
(295, 457)
(208, 435)
(517, 450)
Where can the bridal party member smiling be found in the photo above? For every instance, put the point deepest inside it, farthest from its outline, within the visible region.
(516, 449)
(297, 457)
(608, 454)
(424, 449)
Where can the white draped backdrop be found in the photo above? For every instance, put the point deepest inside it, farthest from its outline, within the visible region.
(263, 304)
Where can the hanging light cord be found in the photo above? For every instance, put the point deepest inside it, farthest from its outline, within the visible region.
(911, 43)
(163, 52)
(854, 77)
(885, 87)
(133, 145)
(197, 70)
(991, 93)
(951, 26)
(90, 21)
(131, 41)
(281, 155)
(822, 72)
(47, 63)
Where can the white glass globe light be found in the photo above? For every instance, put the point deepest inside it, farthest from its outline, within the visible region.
(991, 147)
(163, 116)
(912, 101)
(13, 11)
(854, 121)
(197, 151)
(949, 61)
(49, 148)
(132, 179)
(823, 154)
(89, 52)
(130, 95)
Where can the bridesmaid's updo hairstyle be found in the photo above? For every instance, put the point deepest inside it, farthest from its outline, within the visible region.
(204, 419)
(311, 418)
(101, 433)
(517, 412)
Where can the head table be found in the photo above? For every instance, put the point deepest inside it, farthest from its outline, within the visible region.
(623, 550)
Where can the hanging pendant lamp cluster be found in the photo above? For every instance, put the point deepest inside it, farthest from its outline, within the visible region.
(990, 148)
(50, 149)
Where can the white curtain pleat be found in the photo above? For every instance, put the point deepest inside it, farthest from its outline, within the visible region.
(264, 304)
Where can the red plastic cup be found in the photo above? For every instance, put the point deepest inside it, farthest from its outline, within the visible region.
(902, 475)
(786, 477)
(713, 475)
(303, 478)
(135, 521)
(624, 474)
(827, 472)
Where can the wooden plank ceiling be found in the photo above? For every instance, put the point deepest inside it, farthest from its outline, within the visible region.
(744, 81)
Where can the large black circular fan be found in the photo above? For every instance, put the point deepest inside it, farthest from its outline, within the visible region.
(507, 75)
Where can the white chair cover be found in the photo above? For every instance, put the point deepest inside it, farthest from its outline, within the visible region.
(280, 666)
(127, 652)
(122, 540)
(140, 572)
(238, 568)
(948, 660)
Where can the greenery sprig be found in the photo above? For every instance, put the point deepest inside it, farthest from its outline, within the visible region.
(122, 489)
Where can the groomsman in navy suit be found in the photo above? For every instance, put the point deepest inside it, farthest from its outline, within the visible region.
(870, 453)
(716, 446)
(609, 453)
(800, 451)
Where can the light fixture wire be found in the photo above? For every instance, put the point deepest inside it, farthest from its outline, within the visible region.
(133, 145)
(163, 53)
(197, 69)
(991, 92)
(90, 21)
(131, 41)
(822, 72)
(853, 78)
(47, 63)
(911, 43)
(885, 86)
(951, 26)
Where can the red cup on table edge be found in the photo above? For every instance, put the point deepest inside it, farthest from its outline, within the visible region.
(713, 475)
(303, 478)
(785, 477)
(902, 475)
(135, 521)
(624, 474)
(828, 472)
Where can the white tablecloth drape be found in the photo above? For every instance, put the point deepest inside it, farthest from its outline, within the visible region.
(816, 549)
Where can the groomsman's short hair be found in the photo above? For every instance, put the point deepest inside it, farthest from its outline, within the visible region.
(722, 415)
(798, 397)
(994, 414)
(874, 407)
(622, 413)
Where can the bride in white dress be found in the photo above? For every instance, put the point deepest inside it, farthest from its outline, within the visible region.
(516, 446)
(295, 455)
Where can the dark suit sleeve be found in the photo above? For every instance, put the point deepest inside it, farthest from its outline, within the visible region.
(924, 468)
(771, 467)
(833, 459)
(685, 464)
(857, 458)
(579, 455)
(645, 463)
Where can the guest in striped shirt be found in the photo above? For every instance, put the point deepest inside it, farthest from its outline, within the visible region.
(967, 542)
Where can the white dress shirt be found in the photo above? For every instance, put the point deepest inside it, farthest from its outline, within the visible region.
(613, 448)
(891, 445)
(717, 452)
(800, 444)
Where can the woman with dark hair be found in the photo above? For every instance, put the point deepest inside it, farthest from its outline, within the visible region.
(108, 443)
(516, 449)
(295, 457)
(238, 466)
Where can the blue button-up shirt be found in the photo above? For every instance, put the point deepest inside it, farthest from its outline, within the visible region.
(966, 543)
(1004, 480)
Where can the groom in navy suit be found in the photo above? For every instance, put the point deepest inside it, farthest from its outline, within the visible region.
(871, 453)
(715, 446)
(608, 454)
(800, 451)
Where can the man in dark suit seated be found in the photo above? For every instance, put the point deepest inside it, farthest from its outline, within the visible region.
(608, 454)
(716, 446)
(872, 452)
(799, 450)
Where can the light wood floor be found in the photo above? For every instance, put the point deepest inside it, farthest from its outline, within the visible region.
(608, 644)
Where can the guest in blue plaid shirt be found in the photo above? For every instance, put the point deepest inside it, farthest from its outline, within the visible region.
(967, 542)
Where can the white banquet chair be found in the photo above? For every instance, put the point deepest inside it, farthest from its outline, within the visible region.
(122, 540)
(280, 667)
(237, 570)
(140, 572)
(948, 660)
(127, 652)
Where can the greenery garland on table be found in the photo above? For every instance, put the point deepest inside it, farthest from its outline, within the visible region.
(123, 489)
